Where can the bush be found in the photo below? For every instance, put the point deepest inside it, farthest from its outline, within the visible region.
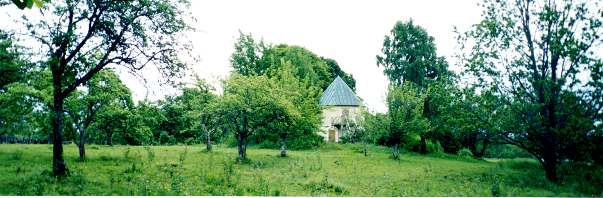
(268, 145)
(165, 138)
(305, 142)
(506, 151)
(434, 147)
(465, 152)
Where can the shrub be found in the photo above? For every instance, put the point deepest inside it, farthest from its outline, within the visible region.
(506, 151)
(434, 147)
(465, 152)
(268, 145)
(305, 142)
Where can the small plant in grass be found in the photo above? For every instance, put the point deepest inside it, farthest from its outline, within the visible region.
(176, 173)
(17, 155)
(106, 158)
(497, 189)
(132, 169)
(150, 153)
(262, 186)
(127, 153)
(228, 172)
(276, 193)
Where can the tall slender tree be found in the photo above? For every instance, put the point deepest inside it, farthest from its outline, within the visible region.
(409, 55)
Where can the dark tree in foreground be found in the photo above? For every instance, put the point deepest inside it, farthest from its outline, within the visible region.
(84, 37)
(543, 58)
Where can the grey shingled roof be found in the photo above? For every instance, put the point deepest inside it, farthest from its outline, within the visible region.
(339, 94)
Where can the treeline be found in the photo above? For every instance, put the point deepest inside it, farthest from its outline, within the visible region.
(6, 139)
(270, 99)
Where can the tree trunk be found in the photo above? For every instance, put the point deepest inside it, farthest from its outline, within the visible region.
(551, 171)
(208, 137)
(283, 149)
(550, 163)
(483, 150)
(242, 148)
(396, 152)
(110, 138)
(81, 142)
(81, 145)
(423, 146)
(59, 167)
(365, 148)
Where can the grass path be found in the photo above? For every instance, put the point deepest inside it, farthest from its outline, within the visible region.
(334, 170)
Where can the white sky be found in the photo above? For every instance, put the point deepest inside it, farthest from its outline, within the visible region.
(351, 32)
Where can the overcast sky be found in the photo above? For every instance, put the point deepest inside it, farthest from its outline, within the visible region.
(351, 32)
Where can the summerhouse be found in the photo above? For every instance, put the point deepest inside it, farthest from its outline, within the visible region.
(341, 109)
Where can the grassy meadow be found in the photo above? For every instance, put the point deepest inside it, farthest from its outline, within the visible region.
(333, 170)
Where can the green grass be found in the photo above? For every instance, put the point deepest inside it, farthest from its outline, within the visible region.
(333, 170)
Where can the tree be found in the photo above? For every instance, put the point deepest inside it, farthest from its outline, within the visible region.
(537, 54)
(256, 58)
(469, 119)
(247, 56)
(376, 127)
(305, 65)
(111, 120)
(409, 55)
(23, 91)
(245, 108)
(27, 3)
(84, 37)
(12, 64)
(297, 115)
(200, 100)
(405, 109)
(335, 71)
(103, 89)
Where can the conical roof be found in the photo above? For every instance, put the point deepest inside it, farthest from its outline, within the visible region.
(339, 94)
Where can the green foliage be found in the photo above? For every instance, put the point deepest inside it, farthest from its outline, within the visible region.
(12, 64)
(247, 55)
(405, 109)
(533, 54)
(256, 58)
(29, 3)
(465, 152)
(506, 151)
(281, 110)
(305, 65)
(131, 34)
(183, 115)
(335, 71)
(409, 55)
